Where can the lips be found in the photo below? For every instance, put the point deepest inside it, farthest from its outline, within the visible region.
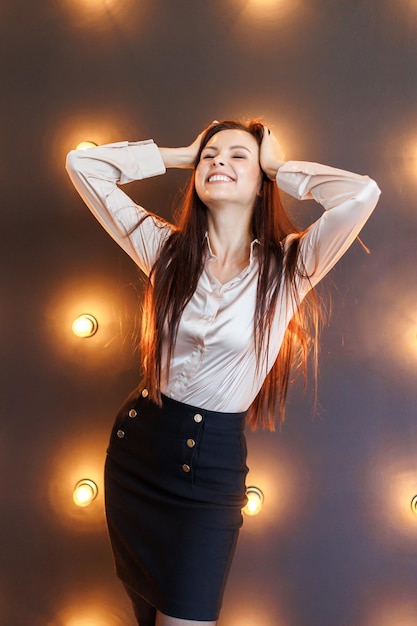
(219, 178)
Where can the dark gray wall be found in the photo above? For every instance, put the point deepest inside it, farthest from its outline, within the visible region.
(337, 80)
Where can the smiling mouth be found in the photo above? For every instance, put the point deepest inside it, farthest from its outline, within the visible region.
(219, 178)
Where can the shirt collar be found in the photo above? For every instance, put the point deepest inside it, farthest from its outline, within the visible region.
(252, 248)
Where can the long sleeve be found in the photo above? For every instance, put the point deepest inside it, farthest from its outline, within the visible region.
(348, 201)
(96, 174)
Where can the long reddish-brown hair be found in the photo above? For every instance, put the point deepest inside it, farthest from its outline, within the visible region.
(174, 277)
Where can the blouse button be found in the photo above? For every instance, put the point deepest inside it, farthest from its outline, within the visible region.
(145, 393)
(198, 418)
(120, 434)
(186, 468)
(132, 413)
(190, 443)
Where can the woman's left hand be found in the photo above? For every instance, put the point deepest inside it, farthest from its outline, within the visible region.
(271, 155)
(184, 157)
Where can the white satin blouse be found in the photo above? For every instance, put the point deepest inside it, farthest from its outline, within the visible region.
(214, 362)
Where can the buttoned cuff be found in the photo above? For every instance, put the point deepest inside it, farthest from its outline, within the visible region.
(137, 159)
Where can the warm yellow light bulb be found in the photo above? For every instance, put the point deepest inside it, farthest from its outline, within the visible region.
(84, 145)
(414, 505)
(255, 501)
(85, 325)
(85, 491)
(266, 3)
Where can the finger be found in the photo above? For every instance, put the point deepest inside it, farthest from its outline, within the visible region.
(213, 123)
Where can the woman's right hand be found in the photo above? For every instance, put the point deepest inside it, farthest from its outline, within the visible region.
(271, 155)
(183, 157)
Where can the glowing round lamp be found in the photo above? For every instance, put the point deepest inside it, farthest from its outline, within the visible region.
(85, 325)
(85, 491)
(255, 501)
(84, 145)
(414, 505)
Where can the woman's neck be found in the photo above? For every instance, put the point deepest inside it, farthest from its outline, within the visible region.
(229, 237)
(230, 244)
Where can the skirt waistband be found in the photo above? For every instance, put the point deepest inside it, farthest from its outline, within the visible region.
(218, 419)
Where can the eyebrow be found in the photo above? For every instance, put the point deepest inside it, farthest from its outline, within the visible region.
(231, 148)
(239, 147)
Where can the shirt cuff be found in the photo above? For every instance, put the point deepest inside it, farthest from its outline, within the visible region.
(147, 157)
(136, 159)
(295, 177)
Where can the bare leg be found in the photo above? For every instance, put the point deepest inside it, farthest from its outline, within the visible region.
(165, 620)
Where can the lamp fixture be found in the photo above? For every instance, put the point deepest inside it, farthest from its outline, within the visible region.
(414, 504)
(84, 145)
(85, 491)
(85, 325)
(255, 501)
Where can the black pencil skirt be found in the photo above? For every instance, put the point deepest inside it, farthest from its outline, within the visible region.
(175, 487)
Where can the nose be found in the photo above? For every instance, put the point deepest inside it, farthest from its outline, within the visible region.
(217, 160)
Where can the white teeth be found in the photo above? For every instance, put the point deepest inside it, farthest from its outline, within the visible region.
(219, 177)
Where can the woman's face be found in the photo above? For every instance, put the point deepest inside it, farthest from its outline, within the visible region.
(228, 170)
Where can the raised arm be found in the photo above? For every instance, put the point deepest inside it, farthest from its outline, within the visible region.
(96, 174)
(348, 200)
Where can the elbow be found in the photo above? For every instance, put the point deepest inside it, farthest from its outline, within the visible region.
(373, 192)
(72, 161)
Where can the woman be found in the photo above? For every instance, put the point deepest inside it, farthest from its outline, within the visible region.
(229, 309)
